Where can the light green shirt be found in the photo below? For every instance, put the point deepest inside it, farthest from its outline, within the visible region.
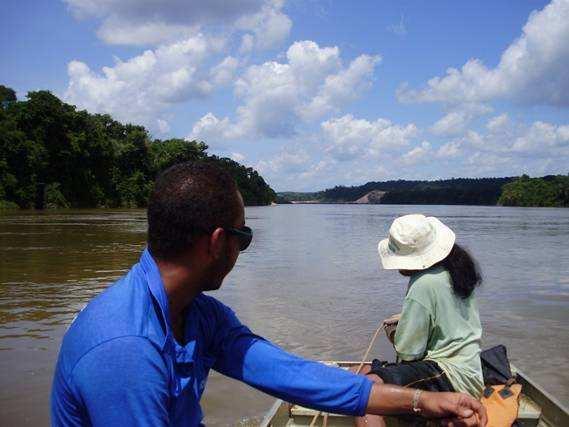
(440, 326)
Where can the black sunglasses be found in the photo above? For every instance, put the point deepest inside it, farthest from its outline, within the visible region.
(244, 235)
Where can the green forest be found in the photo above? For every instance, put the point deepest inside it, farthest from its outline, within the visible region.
(54, 156)
(549, 191)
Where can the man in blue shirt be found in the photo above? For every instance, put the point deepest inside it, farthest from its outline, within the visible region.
(140, 353)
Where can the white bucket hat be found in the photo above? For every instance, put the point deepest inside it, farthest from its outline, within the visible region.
(415, 242)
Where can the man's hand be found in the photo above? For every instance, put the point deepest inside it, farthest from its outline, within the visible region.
(457, 409)
(452, 409)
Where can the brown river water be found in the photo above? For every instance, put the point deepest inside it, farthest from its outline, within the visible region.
(310, 282)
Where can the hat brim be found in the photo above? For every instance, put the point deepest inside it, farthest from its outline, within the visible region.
(437, 251)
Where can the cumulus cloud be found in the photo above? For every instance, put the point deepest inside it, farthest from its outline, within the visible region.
(342, 88)
(416, 154)
(498, 123)
(348, 153)
(139, 89)
(290, 160)
(513, 140)
(135, 22)
(349, 137)
(452, 123)
(268, 28)
(532, 70)
(276, 97)
(450, 149)
(224, 72)
(210, 128)
(456, 122)
(543, 137)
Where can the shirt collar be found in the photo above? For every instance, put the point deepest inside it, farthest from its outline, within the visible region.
(156, 287)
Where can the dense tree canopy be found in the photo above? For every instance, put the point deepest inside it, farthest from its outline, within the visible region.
(53, 155)
(550, 191)
(7, 94)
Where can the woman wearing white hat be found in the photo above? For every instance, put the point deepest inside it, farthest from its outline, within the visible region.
(437, 336)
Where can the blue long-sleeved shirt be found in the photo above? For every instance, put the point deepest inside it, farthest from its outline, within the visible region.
(119, 364)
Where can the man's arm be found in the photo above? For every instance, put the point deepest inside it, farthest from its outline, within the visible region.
(123, 382)
(242, 355)
(461, 409)
(249, 358)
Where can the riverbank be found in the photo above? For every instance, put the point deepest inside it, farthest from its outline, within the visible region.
(547, 191)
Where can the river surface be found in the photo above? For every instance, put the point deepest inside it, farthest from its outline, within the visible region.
(311, 282)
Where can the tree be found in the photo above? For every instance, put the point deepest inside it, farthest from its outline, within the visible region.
(548, 191)
(7, 95)
(171, 151)
(62, 157)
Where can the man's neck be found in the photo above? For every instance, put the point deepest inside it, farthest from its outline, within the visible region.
(181, 285)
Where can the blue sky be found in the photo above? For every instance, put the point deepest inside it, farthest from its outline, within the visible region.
(314, 93)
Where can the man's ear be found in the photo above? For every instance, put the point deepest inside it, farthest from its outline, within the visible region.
(217, 242)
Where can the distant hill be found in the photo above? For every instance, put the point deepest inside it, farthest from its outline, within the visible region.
(511, 191)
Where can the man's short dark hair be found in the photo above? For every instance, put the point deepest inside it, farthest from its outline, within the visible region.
(188, 199)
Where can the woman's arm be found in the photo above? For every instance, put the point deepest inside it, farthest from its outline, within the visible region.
(413, 331)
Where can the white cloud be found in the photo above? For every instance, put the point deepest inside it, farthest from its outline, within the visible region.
(455, 122)
(398, 29)
(247, 44)
(210, 128)
(342, 88)
(163, 126)
(543, 137)
(514, 140)
(224, 72)
(349, 137)
(276, 96)
(348, 154)
(289, 160)
(498, 123)
(450, 149)
(114, 31)
(270, 26)
(139, 89)
(452, 123)
(533, 69)
(135, 22)
(416, 154)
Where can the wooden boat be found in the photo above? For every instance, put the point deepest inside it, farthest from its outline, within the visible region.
(537, 409)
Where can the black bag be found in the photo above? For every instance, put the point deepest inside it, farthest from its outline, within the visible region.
(495, 366)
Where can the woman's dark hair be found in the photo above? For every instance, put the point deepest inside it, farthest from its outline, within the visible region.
(463, 269)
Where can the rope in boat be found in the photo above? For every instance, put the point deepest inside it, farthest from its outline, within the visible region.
(360, 366)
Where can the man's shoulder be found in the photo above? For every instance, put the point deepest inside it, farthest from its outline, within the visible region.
(121, 310)
(209, 306)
